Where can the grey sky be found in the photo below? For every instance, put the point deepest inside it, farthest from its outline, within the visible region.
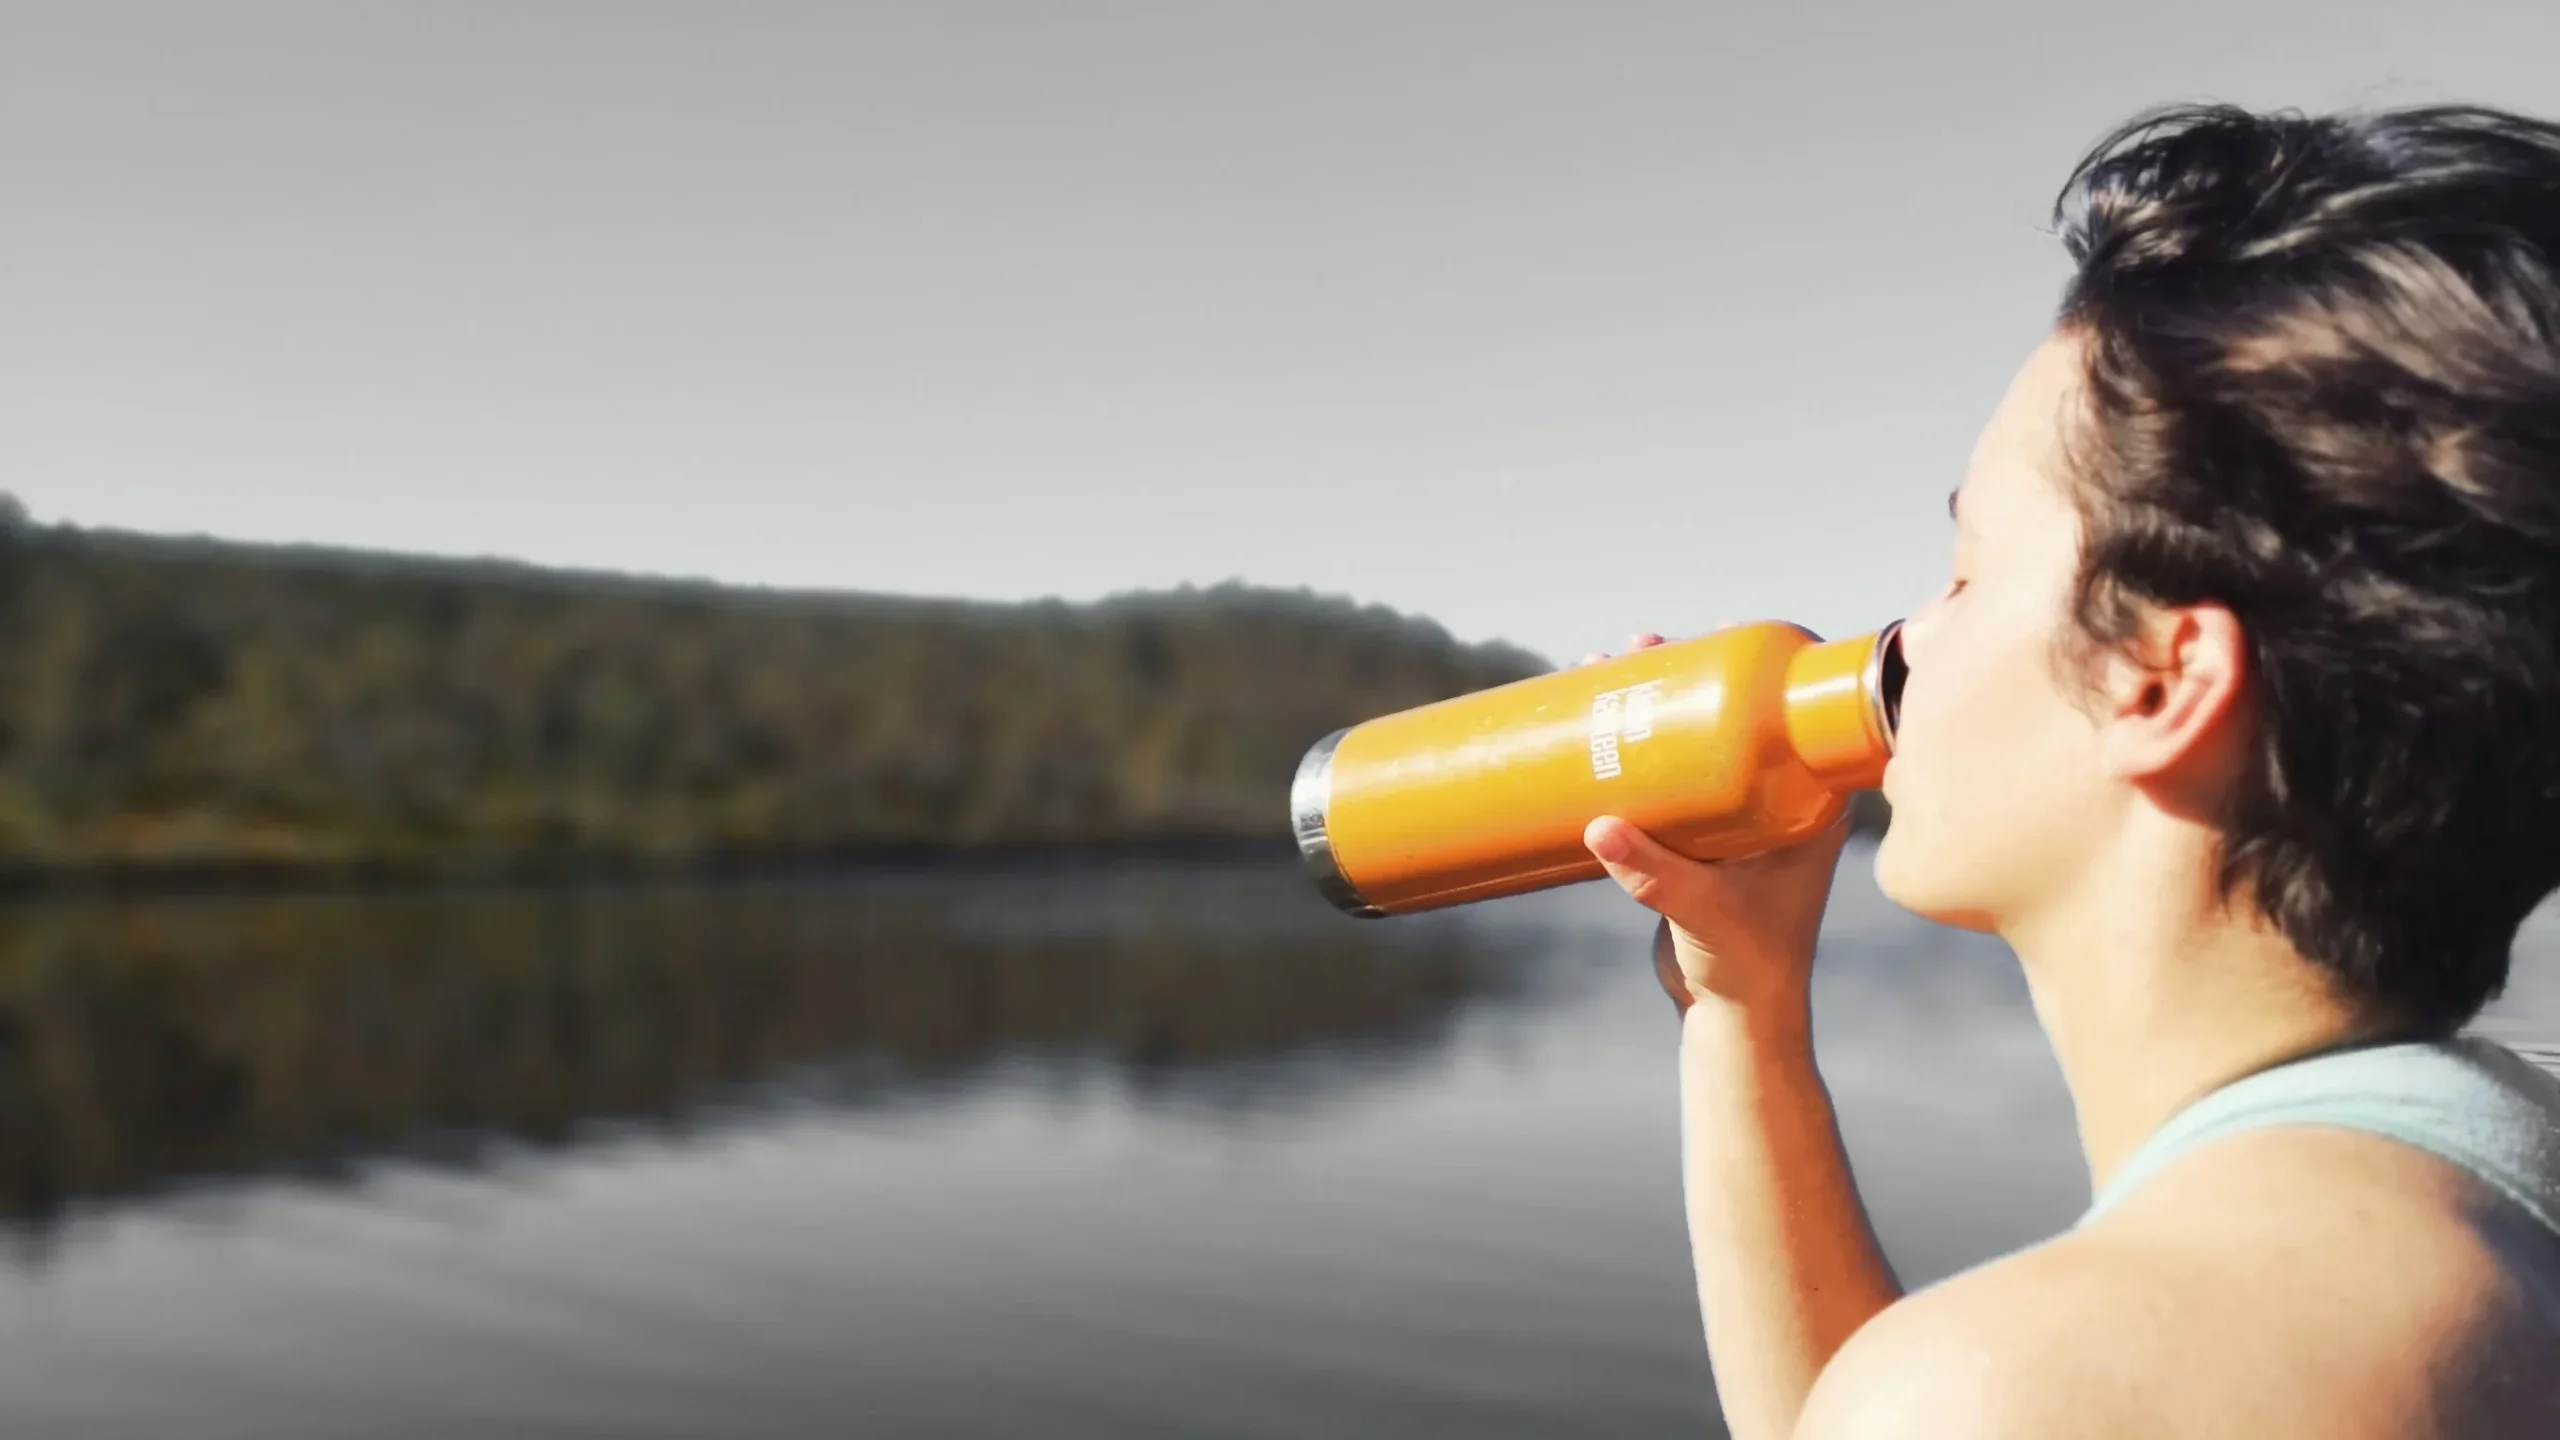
(1547, 321)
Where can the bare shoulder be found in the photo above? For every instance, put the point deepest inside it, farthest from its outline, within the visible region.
(2016, 1347)
(2282, 1283)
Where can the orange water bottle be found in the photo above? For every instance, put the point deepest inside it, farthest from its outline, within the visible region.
(1727, 744)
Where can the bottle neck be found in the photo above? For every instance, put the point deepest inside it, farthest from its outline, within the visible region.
(1841, 703)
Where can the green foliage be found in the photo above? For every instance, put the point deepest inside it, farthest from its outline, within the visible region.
(190, 704)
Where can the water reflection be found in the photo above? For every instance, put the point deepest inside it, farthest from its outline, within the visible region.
(147, 1042)
(1113, 1153)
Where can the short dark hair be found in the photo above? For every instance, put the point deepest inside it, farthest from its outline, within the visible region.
(2323, 390)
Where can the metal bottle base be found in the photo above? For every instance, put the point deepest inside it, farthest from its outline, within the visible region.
(1309, 795)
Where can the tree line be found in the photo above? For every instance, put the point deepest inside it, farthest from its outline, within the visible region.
(173, 707)
(180, 705)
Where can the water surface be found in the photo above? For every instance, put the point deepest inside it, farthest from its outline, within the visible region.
(1113, 1151)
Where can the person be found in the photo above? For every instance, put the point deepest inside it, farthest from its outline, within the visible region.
(2238, 720)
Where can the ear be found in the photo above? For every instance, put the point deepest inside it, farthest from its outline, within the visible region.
(2170, 698)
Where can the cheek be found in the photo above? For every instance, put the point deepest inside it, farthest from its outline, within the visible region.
(1950, 710)
(1985, 781)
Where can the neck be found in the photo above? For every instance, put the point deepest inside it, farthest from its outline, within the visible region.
(2153, 996)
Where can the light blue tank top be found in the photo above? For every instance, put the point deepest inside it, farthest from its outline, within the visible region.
(2470, 1101)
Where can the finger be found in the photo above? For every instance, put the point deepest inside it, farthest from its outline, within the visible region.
(1651, 874)
(1644, 639)
(1666, 967)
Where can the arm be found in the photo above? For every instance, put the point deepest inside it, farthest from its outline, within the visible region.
(1788, 1267)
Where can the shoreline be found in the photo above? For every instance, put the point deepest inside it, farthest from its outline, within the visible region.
(21, 881)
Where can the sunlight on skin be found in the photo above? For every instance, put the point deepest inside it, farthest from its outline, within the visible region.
(2076, 826)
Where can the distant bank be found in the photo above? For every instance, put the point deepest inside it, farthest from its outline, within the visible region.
(185, 710)
(180, 709)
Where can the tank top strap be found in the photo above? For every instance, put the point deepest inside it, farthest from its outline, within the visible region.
(2469, 1101)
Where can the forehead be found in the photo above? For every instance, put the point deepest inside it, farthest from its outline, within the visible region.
(2017, 456)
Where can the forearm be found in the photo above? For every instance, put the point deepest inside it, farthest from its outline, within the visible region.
(1788, 1266)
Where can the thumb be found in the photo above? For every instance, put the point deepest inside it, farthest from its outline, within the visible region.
(1650, 872)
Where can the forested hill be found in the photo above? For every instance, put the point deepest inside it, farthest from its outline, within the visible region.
(171, 706)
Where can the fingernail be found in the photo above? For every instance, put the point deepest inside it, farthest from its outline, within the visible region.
(1610, 843)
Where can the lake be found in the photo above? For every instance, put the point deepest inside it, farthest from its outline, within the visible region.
(1119, 1150)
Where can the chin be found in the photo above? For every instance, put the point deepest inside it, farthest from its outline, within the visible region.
(1892, 869)
(1915, 875)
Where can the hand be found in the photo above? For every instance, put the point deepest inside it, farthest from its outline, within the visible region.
(1641, 640)
(1737, 931)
